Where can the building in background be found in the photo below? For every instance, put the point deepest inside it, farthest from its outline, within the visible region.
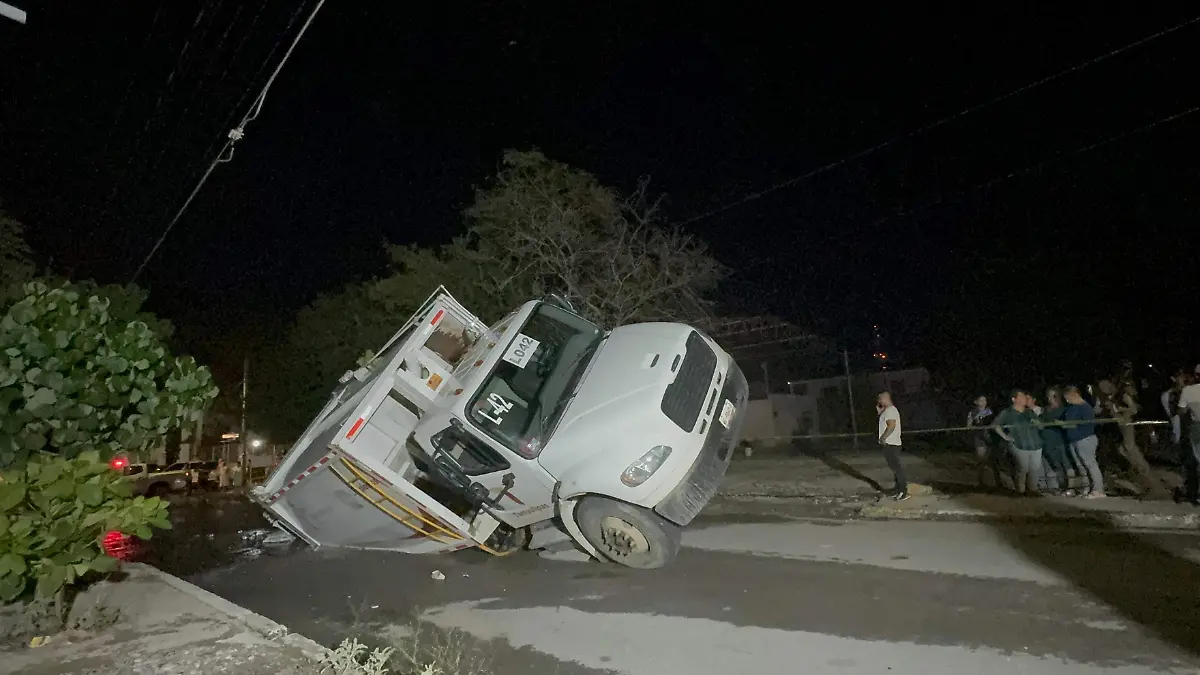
(823, 405)
(798, 381)
(771, 351)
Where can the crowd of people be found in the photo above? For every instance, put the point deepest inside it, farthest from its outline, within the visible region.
(1049, 446)
(1031, 449)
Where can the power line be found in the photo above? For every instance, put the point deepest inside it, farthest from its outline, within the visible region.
(1027, 169)
(236, 134)
(254, 78)
(125, 177)
(940, 122)
(1030, 168)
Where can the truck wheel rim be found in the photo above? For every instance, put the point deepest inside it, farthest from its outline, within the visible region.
(621, 538)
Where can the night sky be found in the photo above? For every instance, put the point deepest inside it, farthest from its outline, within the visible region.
(989, 240)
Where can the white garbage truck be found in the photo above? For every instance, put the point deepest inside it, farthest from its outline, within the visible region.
(540, 432)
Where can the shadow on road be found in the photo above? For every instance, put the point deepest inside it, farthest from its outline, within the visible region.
(1144, 583)
(836, 464)
(1155, 588)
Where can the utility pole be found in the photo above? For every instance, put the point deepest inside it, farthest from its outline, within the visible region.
(850, 396)
(242, 435)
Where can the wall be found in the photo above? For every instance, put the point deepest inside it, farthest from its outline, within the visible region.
(780, 415)
(911, 391)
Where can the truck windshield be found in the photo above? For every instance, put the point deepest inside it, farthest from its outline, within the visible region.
(519, 401)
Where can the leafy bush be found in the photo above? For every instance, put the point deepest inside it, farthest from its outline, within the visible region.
(16, 264)
(53, 513)
(73, 378)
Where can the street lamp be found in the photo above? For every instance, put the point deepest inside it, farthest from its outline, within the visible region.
(256, 443)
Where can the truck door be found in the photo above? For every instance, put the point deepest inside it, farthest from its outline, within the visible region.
(520, 489)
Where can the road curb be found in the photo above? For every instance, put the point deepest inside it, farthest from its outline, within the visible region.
(786, 507)
(1116, 519)
(269, 629)
(945, 509)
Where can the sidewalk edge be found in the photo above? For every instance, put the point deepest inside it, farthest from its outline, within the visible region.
(269, 629)
(1117, 519)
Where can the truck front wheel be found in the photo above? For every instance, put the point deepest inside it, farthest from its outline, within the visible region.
(627, 534)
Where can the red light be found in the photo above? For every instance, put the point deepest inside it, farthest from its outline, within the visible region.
(117, 545)
(119, 463)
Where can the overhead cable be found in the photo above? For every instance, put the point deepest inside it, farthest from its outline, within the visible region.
(940, 122)
(236, 134)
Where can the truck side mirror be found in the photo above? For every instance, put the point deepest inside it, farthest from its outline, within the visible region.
(561, 301)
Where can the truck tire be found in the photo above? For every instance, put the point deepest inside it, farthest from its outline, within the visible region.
(158, 490)
(627, 534)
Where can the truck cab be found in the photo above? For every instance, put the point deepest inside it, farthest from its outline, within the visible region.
(539, 431)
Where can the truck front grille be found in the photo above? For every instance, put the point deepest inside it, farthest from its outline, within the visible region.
(706, 473)
(685, 396)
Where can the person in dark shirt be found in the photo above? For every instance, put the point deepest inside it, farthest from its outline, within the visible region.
(1054, 440)
(1081, 438)
(1018, 426)
(981, 417)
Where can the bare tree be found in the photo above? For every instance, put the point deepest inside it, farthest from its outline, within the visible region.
(539, 227)
(543, 227)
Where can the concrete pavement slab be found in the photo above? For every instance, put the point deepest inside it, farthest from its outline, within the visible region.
(166, 625)
(777, 597)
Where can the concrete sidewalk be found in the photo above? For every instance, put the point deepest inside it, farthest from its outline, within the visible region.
(1116, 512)
(848, 484)
(838, 475)
(164, 625)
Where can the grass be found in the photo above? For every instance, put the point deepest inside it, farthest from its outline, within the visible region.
(421, 649)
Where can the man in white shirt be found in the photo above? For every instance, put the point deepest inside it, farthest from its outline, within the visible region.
(1169, 404)
(889, 442)
(1189, 404)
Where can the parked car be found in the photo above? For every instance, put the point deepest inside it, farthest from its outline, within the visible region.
(208, 472)
(150, 480)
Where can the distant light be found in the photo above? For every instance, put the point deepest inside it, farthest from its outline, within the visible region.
(256, 443)
(228, 437)
(119, 463)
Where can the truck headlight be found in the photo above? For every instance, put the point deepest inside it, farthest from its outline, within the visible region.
(641, 470)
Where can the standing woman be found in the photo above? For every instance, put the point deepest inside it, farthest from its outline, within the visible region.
(980, 418)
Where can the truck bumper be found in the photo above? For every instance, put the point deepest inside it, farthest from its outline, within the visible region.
(705, 474)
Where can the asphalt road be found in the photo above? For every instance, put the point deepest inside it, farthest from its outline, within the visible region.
(762, 598)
